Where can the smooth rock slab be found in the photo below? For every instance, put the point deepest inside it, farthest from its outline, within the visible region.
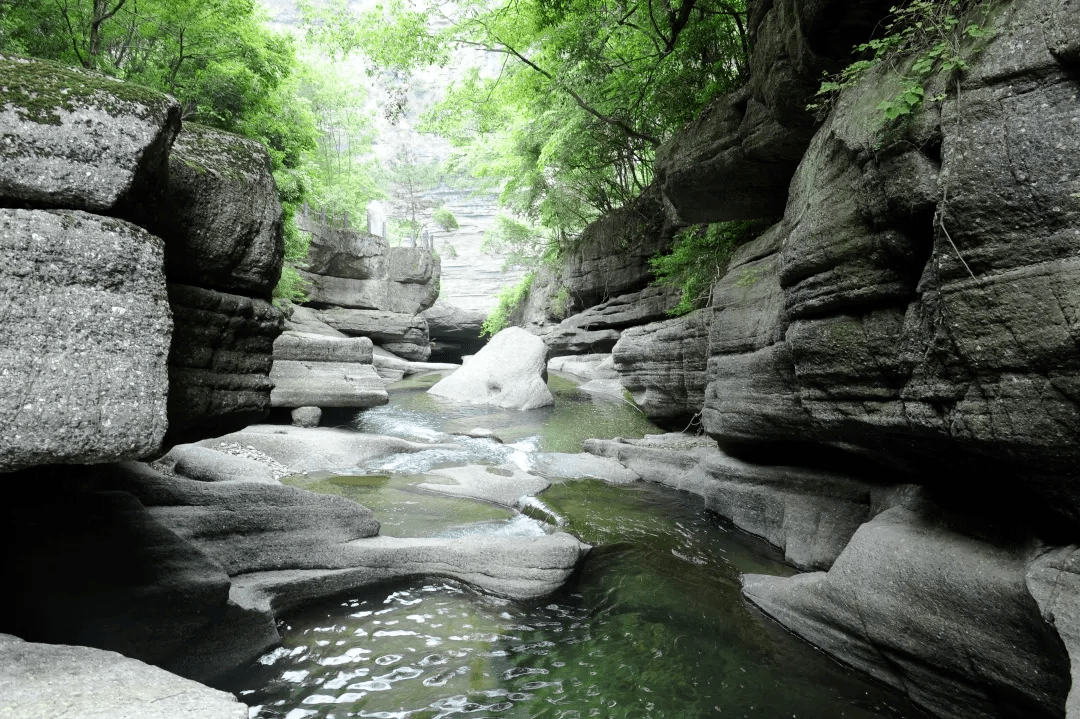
(405, 335)
(574, 466)
(81, 140)
(208, 465)
(48, 680)
(326, 384)
(499, 485)
(315, 347)
(304, 450)
(508, 372)
(942, 616)
(84, 337)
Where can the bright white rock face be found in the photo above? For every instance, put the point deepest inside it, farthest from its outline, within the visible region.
(508, 372)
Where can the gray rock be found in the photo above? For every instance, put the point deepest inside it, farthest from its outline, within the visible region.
(219, 362)
(304, 450)
(306, 320)
(855, 320)
(593, 366)
(312, 347)
(347, 268)
(1063, 31)
(38, 679)
(507, 372)
(605, 387)
(637, 308)
(573, 340)
(84, 337)
(662, 365)
(80, 140)
(809, 514)
(207, 465)
(306, 416)
(940, 615)
(1053, 578)
(499, 485)
(326, 384)
(248, 527)
(454, 331)
(405, 335)
(574, 466)
(222, 219)
(521, 568)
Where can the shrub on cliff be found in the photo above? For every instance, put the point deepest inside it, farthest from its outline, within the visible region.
(698, 258)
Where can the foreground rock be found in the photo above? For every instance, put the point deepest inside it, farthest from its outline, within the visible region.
(219, 361)
(207, 465)
(80, 140)
(809, 514)
(38, 680)
(84, 337)
(313, 370)
(1053, 578)
(662, 365)
(222, 222)
(943, 616)
(508, 372)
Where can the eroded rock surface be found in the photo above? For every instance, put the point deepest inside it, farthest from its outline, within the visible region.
(941, 615)
(220, 360)
(84, 337)
(406, 335)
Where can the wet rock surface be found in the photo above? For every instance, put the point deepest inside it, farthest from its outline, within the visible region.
(84, 335)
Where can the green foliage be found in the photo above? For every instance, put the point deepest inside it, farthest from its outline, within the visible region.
(561, 303)
(925, 38)
(698, 258)
(522, 245)
(511, 299)
(445, 219)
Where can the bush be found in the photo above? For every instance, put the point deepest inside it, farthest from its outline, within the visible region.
(511, 299)
(698, 258)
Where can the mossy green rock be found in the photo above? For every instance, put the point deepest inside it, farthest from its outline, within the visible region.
(81, 140)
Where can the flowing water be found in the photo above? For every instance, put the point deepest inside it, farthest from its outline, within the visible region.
(652, 625)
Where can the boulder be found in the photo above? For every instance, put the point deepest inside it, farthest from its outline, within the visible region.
(306, 416)
(405, 335)
(84, 337)
(383, 294)
(326, 384)
(306, 320)
(662, 365)
(939, 613)
(311, 347)
(344, 252)
(508, 372)
(809, 514)
(222, 220)
(208, 465)
(37, 679)
(498, 485)
(220, 360)
(79, 140)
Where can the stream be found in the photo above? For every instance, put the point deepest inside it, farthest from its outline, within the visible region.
(652, 625)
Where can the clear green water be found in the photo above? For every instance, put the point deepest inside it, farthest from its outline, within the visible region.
(653, 624)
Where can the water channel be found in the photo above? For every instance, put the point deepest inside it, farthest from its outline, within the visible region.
(652, 625)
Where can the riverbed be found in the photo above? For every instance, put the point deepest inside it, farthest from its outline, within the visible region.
(652, 624)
